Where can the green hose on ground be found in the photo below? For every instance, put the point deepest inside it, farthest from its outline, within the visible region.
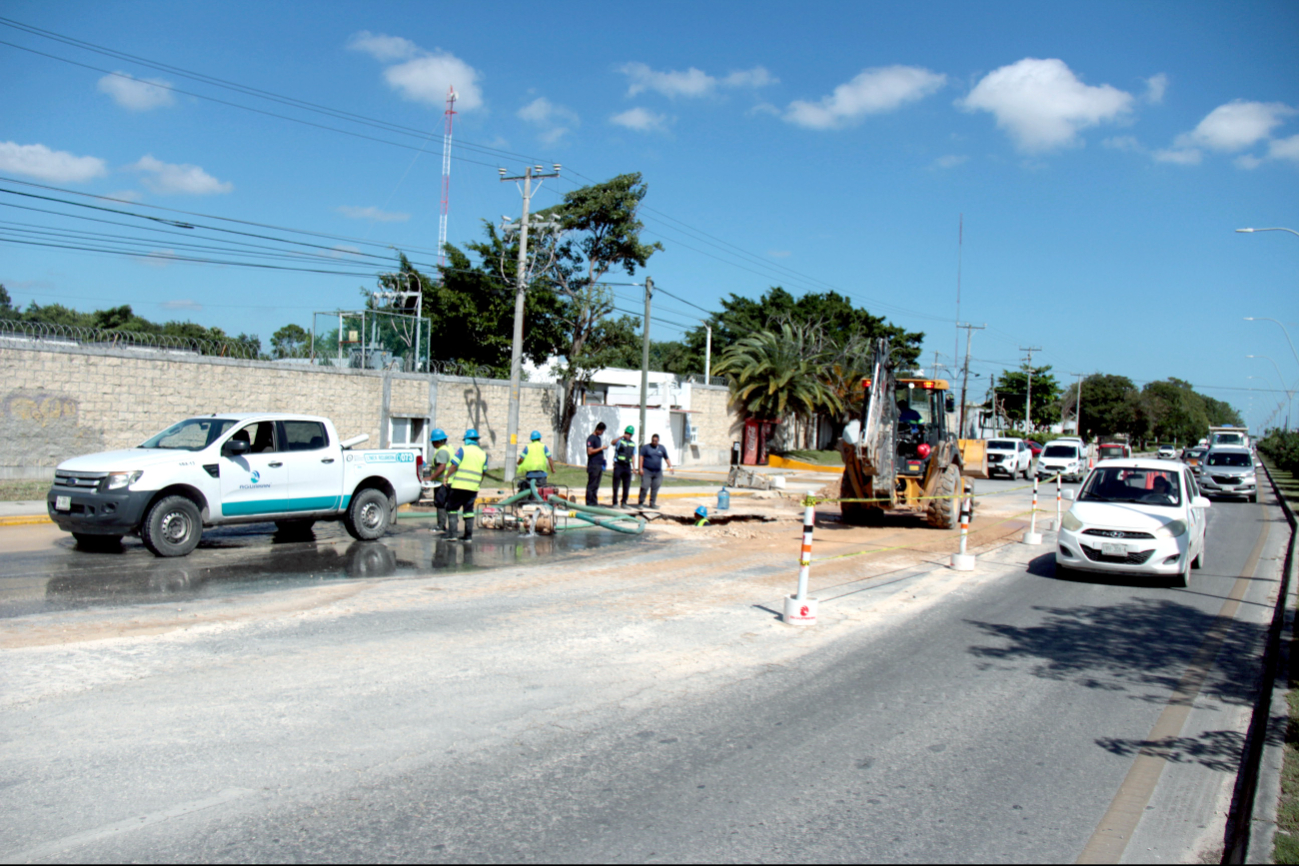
(613, 523)
(584, 512)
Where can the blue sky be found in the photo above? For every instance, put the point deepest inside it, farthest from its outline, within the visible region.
(1101, 153)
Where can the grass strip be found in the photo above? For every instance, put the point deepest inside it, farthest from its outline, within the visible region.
(17, 491)
(1286, 846)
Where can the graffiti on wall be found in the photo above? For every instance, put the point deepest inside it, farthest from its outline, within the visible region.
(40, 429)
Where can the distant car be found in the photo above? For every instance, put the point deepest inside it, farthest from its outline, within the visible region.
(1229, 472)
(1113, 451)
(1009, 457)
(1134, 516)
(1035, 447)
(1193, 457)
(1067, 459)
(1167, 452)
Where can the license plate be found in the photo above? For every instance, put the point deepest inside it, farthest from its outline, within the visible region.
(63, 503)
(1110, 549)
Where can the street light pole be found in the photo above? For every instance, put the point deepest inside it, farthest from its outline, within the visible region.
(1247, 231)
(1283, 328)
(516, 348)
(1289, 395)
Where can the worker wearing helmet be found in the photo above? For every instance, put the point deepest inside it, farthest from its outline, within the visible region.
(535, 462)
(467, 467)
(702, 514)
(624, 456)
(441, 462)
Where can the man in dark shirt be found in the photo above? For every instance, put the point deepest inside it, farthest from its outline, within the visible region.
(594, 464)
(650, 470)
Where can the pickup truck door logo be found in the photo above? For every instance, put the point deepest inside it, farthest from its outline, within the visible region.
(256, 476)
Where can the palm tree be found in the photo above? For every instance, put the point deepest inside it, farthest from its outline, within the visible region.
(778, 374)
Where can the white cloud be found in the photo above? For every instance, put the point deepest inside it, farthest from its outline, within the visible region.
(182, 304)
(553, 121)
(1189, 156)
(1235, 126)
(424, 76)
(382, 48)
(157, 258)
(691, 83)
(373, 214)
(56, 166)
(137, 94)
(1043, 105)
(641, 120)
(873, 91)
(952, 160)
(1284, 148)
(1126, 143)
(1156, 86)
(166, 178)
(1247, 162)
(126, 195)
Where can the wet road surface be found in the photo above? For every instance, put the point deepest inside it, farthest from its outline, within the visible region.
(49, 572)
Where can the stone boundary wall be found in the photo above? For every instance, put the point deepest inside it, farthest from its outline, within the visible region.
(62, 400)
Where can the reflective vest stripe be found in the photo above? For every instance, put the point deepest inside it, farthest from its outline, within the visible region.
(469, 468)
(534, 457)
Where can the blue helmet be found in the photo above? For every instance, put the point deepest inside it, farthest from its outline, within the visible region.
(438, 435)
(536, 436)
(701, 511)
(471, 435)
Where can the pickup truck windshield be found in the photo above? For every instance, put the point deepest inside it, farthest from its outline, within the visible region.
(994, 445)
(1145, 486)
(193, 434)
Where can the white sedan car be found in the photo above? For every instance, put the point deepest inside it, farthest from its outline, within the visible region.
(1134, 516)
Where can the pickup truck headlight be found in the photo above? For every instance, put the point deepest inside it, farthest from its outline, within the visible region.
(1070, 522)
(118, 480)
(1172, 529)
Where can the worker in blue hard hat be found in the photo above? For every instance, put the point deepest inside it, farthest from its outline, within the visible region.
(702, 513)
(441, 463)
(535, 462)
(467, 467)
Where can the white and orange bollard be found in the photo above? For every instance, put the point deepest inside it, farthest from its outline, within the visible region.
(799, 609)
(1059, 512)
(1032, 536)
(963, 561)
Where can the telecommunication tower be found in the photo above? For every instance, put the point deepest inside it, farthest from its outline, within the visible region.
(446, 177)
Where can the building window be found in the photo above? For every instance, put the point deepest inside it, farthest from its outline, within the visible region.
(406, 432)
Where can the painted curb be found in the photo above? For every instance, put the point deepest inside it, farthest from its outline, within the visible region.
(25, 520)
(785, 463)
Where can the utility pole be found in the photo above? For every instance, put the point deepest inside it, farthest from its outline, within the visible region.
(516, 349)
(1028, 399)
(644, 358)
(1077, 409)
(708, 353)
(965, 382)
(992, 385)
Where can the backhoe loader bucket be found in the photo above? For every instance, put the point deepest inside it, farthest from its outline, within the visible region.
(974, 458)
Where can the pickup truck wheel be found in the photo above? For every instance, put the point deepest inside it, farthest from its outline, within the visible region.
(98, 543)
(172, 527)
(368, 515)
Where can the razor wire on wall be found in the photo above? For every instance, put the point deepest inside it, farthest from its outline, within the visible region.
(35, 334)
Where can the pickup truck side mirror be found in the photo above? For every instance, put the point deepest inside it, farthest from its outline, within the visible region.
(235, 447)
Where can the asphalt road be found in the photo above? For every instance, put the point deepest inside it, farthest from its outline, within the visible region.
(1000, 720)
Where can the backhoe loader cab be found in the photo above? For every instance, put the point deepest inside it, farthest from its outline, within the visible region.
(900, 456)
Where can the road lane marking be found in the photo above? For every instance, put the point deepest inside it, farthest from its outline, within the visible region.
(51, 848)
(1111, 836)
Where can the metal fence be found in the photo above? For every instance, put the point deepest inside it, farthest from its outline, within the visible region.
(34, 334)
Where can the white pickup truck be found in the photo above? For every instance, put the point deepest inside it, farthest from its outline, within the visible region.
(231, 468)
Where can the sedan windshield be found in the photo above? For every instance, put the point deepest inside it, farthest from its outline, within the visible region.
(1060, 451)
(1230, 460)
(1001, 446)
(193, 434)
(1125, 484)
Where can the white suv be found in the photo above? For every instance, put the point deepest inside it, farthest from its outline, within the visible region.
(1009, 457)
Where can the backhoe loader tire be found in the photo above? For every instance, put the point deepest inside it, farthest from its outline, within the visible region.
(852, 513)
(945, 510)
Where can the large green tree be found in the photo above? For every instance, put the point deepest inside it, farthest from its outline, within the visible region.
(1171, 411)
(1012, 395)
(1108, 405)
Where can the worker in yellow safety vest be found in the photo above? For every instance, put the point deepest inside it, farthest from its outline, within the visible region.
(441, 466)
(467, 467)
(535, 462)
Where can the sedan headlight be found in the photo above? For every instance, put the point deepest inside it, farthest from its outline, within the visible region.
(1172, 529)
(118, 480)
(1070, 522)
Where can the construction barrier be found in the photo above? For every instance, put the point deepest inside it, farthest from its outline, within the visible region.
(1032, 536)
(799, 609)
(964, 561)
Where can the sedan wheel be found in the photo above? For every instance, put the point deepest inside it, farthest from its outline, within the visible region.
(1182, 579)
